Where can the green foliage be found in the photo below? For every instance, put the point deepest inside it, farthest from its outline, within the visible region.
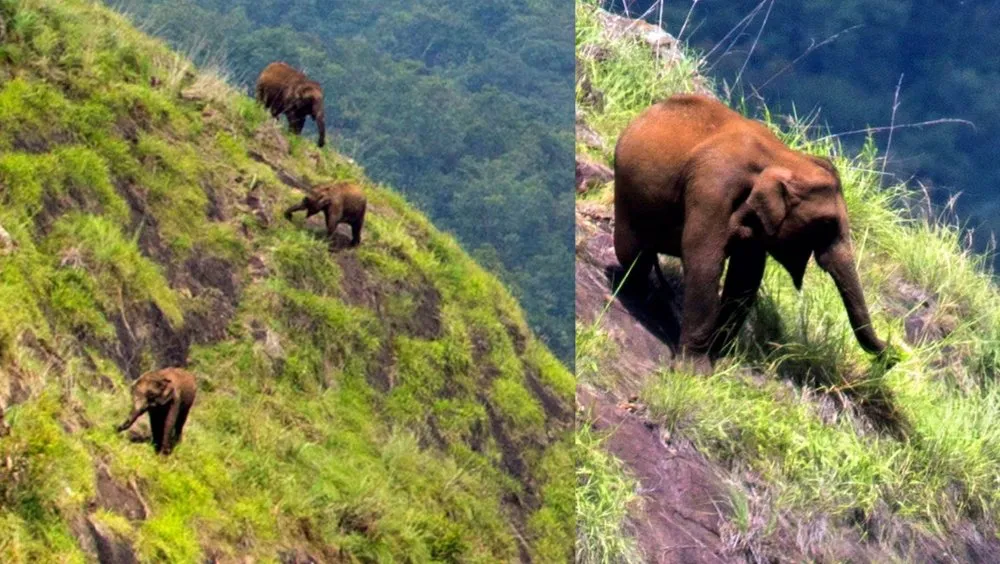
(135, 247)
(827, 429)
(604, 497)
(463, 107)
(852, 80)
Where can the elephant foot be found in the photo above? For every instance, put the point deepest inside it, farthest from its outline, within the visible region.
(695, 363)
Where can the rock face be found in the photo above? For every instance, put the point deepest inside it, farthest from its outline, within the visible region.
(7, 244)
(590, 174)
(663, 44)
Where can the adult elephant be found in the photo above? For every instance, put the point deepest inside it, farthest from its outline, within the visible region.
(696, 180)
(285, 90)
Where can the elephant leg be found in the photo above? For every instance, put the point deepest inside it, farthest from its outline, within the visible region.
(636, 260)
(746, 269)
(169, 427)
(333, 214)
(156, 419)
(356, 226)
(181, 420)
(296, 123)
(702, 261)
(297, 207)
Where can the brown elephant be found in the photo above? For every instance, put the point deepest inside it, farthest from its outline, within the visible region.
(167, 395)
(285, 90)
(697, 180)
(340, 202)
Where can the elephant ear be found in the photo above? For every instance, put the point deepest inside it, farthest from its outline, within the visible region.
(770, 198)
(161, 391)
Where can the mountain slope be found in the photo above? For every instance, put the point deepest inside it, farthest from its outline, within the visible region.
(800, 447)
(380, 403)
(464, 107)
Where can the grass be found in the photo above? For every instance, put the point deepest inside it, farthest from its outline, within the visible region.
(342, 412)
(830, 431)
(605, 495)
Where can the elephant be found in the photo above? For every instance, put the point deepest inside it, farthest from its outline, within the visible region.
(699, 181)
(340, 202)
(167, 395)
(285, 90)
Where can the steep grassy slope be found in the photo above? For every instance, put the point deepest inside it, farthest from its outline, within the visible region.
(373, 404)
(800, 446)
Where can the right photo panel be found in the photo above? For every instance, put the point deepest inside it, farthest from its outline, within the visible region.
(787, 318)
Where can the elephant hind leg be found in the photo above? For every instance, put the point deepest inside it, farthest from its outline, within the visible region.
(356, 226)
(636, 260)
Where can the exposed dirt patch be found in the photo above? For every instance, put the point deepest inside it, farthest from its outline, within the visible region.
(100, 542)
(143, 221)
(28, 140)
(121, 499)
(682, 496)
(642, 321)
(924, 321)
(557, 411)
(283, 175)
(380, 373)
(359, 289)
(517, 336)
(144, 328)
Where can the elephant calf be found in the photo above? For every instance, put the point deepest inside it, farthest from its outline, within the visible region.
(167, 395)
(285, 90)
(340, 202)
(697, 180)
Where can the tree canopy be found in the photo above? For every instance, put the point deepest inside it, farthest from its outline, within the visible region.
(944, 51)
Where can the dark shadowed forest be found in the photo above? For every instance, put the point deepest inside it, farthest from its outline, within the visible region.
(845, 60)
(466, 107)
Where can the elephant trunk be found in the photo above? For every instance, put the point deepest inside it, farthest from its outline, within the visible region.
(320, 116)
(838, 261)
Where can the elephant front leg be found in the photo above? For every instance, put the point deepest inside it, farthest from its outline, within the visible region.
(703, 245)
(333, 215)
(296, 122)
(169, 424)
(746, 269)
(296, 208)
(701, 311)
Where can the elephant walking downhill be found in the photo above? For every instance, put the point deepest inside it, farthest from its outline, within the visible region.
(285, 90)
(697, 180)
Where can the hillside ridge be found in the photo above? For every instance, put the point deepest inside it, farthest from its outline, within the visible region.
(383, 402)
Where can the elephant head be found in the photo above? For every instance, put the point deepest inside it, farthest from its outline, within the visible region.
(310, 102)
(149, 393)
(801, 214)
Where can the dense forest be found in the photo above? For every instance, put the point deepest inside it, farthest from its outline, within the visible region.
(466, 107)
(846, 59)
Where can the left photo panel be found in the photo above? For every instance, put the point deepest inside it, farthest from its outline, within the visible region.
(286, 281)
